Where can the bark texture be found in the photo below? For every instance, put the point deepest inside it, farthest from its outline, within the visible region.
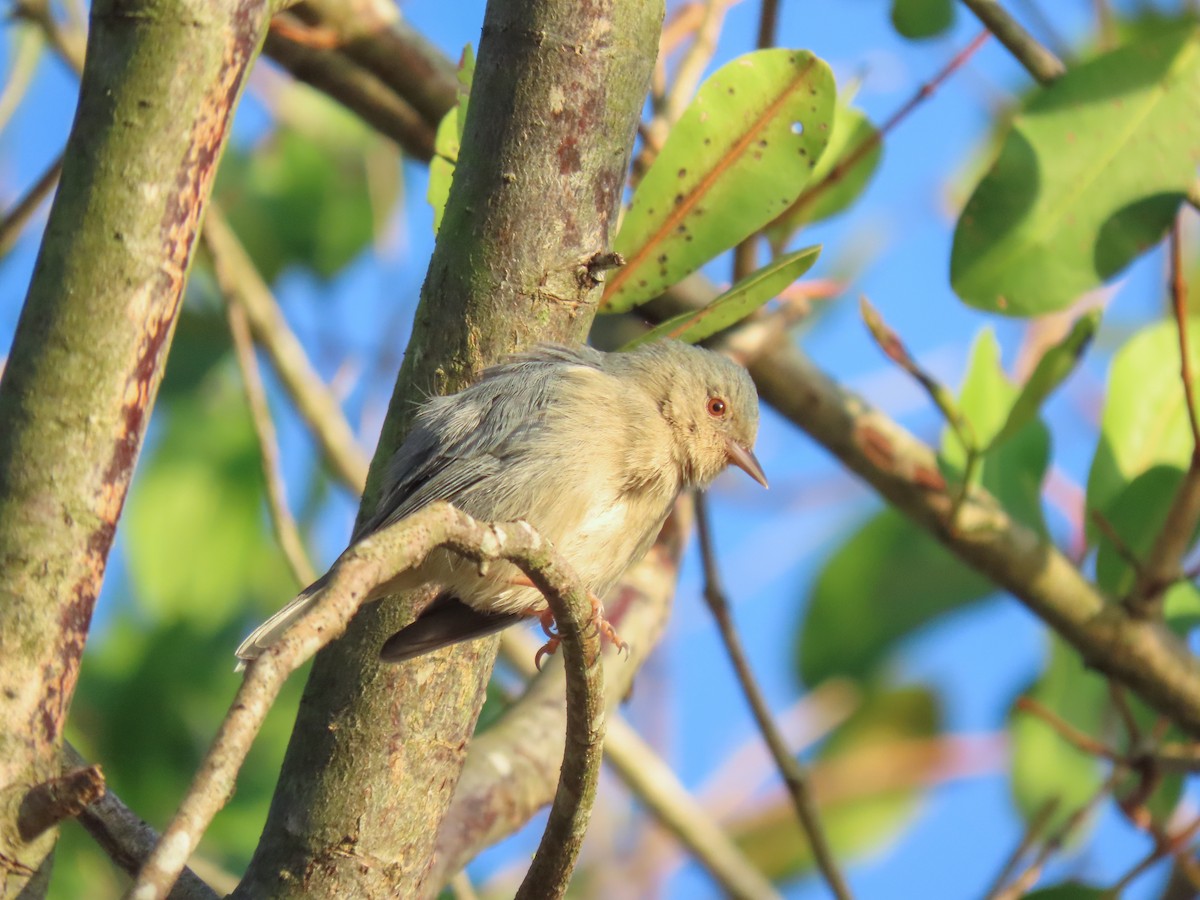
(158, 90)
(377, 750)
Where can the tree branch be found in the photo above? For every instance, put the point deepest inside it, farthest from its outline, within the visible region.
(375, 561)
(90, 346)
(534, 194)
(1039, 62)
(1140, 654)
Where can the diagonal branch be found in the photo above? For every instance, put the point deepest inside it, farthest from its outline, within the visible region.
(371, 563)
(1039, 62)
(1140, 654)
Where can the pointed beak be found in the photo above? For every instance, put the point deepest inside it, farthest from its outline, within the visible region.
(746, 461)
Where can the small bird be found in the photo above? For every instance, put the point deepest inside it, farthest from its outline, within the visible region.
(589, 448)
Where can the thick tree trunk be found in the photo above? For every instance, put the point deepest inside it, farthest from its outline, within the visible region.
(377, 750)
(158, 91)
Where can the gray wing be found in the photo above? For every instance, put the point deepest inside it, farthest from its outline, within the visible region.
(461, 444)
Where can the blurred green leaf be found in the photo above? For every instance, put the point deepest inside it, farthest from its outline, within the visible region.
(740, 154)
(1071, 890)
(448, 141)
(199, 544)
(1051, 370)
(306, 195)
(1145, 421)
(1090, 176)
(886, 581)
(1013, 471)
(917, 19)
(736, 303)
(851, 130)
(857, 817)
(201, 339)
(1046, 767)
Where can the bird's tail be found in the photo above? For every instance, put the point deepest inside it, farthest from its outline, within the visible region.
(271, 630)
(447, 620)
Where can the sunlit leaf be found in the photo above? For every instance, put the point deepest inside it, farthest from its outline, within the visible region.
(448, 141)
(1145, 421)
(1090, 176)
(1013, 471)
(740, 154)
(1051, 370)
(851, 130)
(736, 303)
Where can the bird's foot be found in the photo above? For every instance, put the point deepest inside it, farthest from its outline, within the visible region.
(602, 625)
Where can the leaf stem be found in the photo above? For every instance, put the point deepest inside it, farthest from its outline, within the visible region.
(1038, 61)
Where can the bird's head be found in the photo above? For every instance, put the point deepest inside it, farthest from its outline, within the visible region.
(710, 407)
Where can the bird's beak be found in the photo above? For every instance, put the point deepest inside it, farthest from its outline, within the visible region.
(746, 461)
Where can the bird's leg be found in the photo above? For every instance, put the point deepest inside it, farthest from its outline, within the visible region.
(546, 617)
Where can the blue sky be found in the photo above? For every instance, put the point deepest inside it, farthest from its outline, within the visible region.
(771, 544)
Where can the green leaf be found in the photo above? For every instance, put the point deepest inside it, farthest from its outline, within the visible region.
(308, 196)
(448, 141)
(886, 581)
(1090, 176)
(1013, 472)
(199, 545)
(856, 821)
(1145, 421)
(201, 339)
(918, 19)
(1046, 767)
(851, 130)
(1051, 370)
(740, 154)
(1071, 890)
(736, 303)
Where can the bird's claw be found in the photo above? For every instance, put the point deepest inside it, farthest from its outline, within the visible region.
(602, 625)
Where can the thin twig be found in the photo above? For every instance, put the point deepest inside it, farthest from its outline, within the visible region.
(1172, 846)
(768, 23)
(1121, 703)
(284, 524)
(1038, 61)
(794, 774)
(1033, 831)
(658, 788)
(1080, 740)
(314, 401)
(1124, 551)
(1163, 562)
(22, 211)
(1028, 878)
(371, 564)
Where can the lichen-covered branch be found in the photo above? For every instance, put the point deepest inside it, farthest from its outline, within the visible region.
(377, 750)
(156, 97)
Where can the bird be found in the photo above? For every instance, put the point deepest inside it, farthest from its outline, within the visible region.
(591, 448)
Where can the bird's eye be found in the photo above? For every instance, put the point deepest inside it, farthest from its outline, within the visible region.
(716, 407)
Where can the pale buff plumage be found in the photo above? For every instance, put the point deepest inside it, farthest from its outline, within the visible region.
(590, 448)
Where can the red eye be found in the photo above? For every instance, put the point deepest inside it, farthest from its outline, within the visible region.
(716, 407)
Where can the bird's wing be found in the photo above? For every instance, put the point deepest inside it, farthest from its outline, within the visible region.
(461, 443)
